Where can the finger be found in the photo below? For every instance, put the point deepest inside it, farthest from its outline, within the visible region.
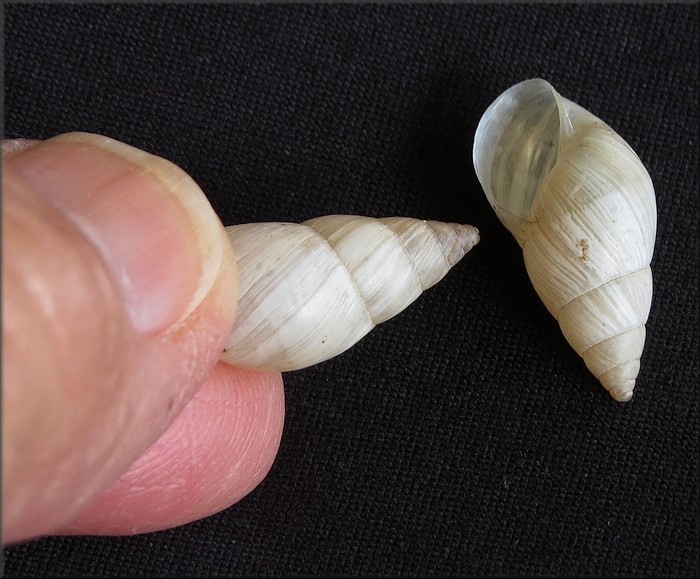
(215, 452)
(12, 147)
(119, 288)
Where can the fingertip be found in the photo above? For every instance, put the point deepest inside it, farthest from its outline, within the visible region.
(217, 450)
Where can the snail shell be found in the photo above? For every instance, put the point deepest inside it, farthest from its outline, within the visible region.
(310, 291)
(581, 205)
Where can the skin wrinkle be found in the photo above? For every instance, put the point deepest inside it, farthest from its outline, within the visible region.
(229, 454)
(236, 444)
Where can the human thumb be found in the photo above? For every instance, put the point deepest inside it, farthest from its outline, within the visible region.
(119, 289)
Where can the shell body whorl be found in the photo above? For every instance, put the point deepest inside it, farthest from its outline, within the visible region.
(310, 291)
(581, 205)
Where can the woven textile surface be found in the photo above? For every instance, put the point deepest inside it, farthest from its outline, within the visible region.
(464, 436)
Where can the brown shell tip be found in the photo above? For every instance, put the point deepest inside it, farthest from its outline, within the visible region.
(456, 239)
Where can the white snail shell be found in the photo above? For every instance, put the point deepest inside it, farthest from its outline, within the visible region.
(310, 291)
(581, 205)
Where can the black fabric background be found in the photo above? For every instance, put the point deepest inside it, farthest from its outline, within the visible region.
(463, 437)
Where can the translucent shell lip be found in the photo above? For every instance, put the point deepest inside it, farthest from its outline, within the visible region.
(581, 205)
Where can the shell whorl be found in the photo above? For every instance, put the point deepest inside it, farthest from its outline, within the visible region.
(310, 291)
(582, 206)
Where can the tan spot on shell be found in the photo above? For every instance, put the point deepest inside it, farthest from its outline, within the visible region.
(584, 247)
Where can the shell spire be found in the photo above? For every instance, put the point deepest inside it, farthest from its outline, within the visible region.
(310, 291)
(581, 205)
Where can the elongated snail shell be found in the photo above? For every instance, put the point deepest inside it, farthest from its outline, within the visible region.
(581, 205)
(310, 291)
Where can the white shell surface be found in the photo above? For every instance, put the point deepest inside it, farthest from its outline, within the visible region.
(310, 291)
(582, 206)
